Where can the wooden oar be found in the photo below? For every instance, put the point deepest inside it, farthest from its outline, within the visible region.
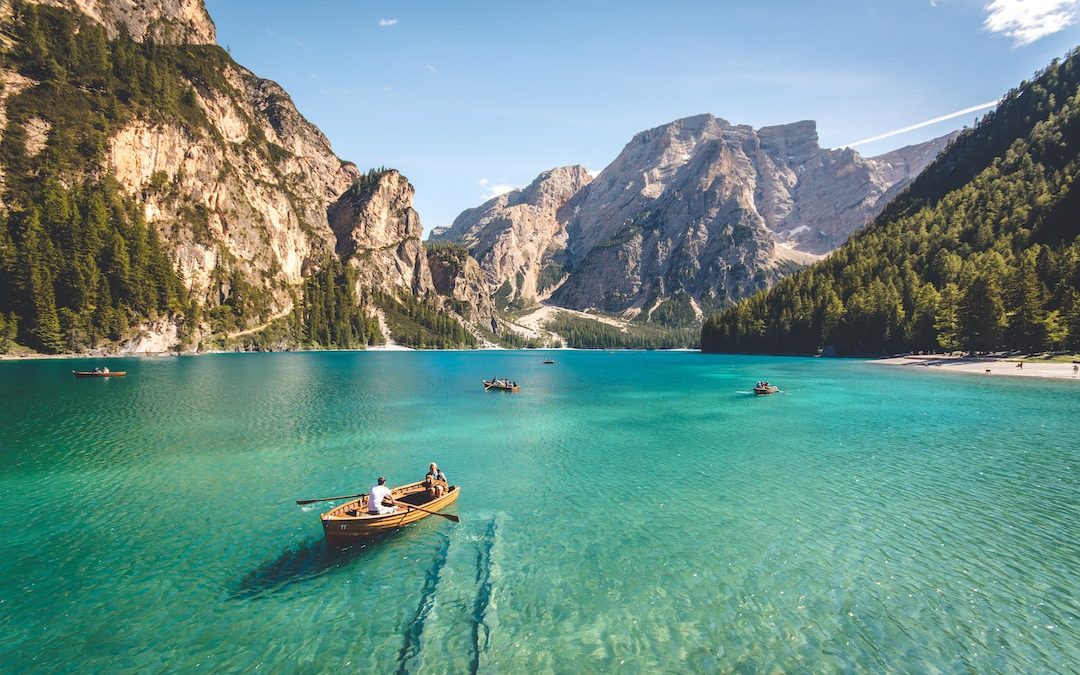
(329, 499)
(448, 516)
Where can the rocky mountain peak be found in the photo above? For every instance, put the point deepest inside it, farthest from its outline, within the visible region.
(690, 216)
(552, 186)
(792, 144)
(519, 237)
(164, 21)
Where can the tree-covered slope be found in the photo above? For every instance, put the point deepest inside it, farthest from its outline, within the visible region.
(981, 252)
(78, 263)
(154, 194)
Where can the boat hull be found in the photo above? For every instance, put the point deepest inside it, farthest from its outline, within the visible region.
(90, 373)
(341, 529)
(762, 391)
(490, 384)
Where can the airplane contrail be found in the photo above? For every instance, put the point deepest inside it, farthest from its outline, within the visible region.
(920, 125)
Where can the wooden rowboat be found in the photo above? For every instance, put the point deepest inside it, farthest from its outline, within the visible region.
(351, 522)
(98, 373)
(766, 389)
(548, 362)
(502, 385)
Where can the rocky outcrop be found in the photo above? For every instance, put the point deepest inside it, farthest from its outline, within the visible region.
(839, 192)
(519, 237)
(378, 231)
(690, 216)
(246, 195)
(163, 21)
(458, 278)
(673, 215)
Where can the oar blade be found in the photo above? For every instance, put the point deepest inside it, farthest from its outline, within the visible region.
(301, 502)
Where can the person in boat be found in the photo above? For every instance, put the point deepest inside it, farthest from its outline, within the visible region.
(435, 481)
(105, 369)
(97, 370)
(378, 498)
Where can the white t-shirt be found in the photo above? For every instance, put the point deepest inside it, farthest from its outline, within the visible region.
(378, 494)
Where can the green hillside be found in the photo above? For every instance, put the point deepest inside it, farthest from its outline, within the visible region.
(981, 252)
(78, 264)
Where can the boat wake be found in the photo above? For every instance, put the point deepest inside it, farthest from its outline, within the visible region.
(410, 651)
(457, 610)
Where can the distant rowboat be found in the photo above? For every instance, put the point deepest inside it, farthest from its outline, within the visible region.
(99, 373)
(548, 362)
(765, 388)
(351, 522)
(502, 385)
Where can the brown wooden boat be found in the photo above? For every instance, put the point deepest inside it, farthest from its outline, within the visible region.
(501, 385)
(351, 522)
(765, 388)
(99, 373)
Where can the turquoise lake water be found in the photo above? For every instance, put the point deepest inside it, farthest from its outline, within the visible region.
(630, 512)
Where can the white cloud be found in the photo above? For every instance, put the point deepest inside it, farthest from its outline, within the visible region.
(1025, 21)
(431, 68)
(920, 125)
(492, 190)
(387, 22)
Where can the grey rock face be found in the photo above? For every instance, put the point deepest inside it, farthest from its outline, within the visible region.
(164, 21)
(458, 278)
(690, 216)
(518, 237)
(378, 230)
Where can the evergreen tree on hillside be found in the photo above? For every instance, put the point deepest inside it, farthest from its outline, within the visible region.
(980, 315)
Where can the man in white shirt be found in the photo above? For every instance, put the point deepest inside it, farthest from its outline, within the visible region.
(379, 494)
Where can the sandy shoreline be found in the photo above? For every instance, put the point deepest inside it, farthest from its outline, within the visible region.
(981, 365)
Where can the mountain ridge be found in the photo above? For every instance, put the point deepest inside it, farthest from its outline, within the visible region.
(690, 216)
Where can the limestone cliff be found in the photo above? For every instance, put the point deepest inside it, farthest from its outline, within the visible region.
(519, 237)
(378, 231)
(458, 278)
(690, 216)
(163, 21)
(246, 195)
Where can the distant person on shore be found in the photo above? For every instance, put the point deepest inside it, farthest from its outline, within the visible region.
(1075, 368)
(435, 481)
(378, 495)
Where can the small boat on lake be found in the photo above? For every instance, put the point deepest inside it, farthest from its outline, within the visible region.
(351, 521)
(548, 362)
(501, 384)
(99, 373)
(763, 388)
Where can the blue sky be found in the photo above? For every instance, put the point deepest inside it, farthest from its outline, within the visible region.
(470, 98)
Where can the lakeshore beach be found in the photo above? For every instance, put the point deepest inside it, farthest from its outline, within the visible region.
(983, 365)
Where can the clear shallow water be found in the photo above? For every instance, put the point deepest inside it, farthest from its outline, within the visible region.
(625, 511)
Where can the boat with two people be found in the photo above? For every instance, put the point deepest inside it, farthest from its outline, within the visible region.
(502, 384)
(352, 521)
(548, 362)
(99, 372)
(763, 387)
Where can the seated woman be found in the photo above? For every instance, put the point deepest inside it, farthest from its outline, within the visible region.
(435, 481)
